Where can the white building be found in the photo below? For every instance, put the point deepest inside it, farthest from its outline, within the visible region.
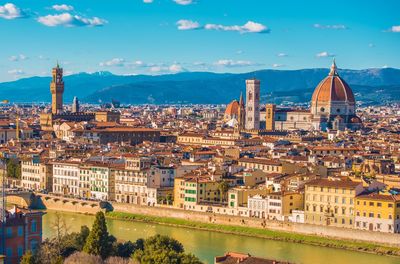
(66, 177)
(36, 175)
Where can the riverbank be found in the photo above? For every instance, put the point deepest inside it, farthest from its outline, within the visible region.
(353, 245)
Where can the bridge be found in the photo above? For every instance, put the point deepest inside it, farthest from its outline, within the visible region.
(54, 202)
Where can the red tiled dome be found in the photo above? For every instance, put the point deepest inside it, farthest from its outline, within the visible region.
(232, 108)
(333, 88)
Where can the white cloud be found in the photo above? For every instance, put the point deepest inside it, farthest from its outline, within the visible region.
(147, 1)
(117, 62)
(249, 27)
(63, 7)
(277, 65)
(11, 11)
(20, 57)
(183, 2)
(281, 54)
(339, 26)
(233, 63)
(324, 54)
(68, 20)
(162, 68)
(184, 24)
(395, 29)
(176, 68)
(16, 72)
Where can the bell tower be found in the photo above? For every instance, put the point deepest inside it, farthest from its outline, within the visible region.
(57, 90)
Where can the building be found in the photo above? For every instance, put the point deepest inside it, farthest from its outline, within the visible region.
(57, 90)
(231, 111)
(131, 182)
(101, 180)
(75, 105)
(22, 231)
(331, 202)
(130, 135)
(378, 212)
(252, 104)
(36, 175)
(108, 116)
(66, 176)
(275, 206)
(57, 111)
(333, 106)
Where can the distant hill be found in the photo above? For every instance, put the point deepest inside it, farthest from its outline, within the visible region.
(204, 87)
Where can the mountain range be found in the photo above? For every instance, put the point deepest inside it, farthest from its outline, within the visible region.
(371, 86)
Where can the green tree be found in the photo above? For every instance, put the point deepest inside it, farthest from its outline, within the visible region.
(27, 258)
(160, 249)
(223, 188)
(13, 168)
(98, 242)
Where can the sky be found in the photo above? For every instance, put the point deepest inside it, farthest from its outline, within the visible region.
(170, 36)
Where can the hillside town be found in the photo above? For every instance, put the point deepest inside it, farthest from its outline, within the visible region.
(335, 164)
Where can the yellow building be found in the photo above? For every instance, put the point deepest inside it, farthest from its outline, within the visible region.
(331, 202)
(179, 192)
(238, 197)
(378, 212)
(193, 190)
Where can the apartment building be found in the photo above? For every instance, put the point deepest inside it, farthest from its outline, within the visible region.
(36, 174)
(378, 212)
(66, 177)
(331, 202)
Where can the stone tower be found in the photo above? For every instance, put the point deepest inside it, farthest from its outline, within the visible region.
(270, 116)
(75, 105)
(57, 90)
(241, 113)
(252, 104)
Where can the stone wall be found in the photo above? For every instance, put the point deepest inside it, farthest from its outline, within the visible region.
(326, 231)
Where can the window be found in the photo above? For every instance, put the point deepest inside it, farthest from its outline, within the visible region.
(9, 232)
(20, 251)
(33, 226)
(33, 244)
(20, 231)
(9, 251)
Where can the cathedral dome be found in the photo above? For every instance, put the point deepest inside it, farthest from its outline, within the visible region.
(333, 89)
(232, 109)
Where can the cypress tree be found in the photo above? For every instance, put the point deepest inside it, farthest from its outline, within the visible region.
(97, 243)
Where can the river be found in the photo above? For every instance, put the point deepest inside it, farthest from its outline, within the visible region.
(207, 244)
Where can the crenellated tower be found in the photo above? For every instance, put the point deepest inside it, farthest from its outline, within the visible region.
(57, 90)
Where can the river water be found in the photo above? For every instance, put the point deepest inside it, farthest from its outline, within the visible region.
(206, 244)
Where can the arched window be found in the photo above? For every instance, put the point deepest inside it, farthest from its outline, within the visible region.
(322, 109)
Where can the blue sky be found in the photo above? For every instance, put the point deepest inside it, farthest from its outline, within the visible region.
(168, 36)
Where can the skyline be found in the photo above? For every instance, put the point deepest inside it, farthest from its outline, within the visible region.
(165, 36)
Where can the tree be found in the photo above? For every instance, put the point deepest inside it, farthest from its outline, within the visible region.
(83, 258)
(163, 250)
(27, 258)
(98, 242)
(13, 168)
(223, 188)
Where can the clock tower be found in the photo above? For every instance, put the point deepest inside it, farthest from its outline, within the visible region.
(57, 90)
